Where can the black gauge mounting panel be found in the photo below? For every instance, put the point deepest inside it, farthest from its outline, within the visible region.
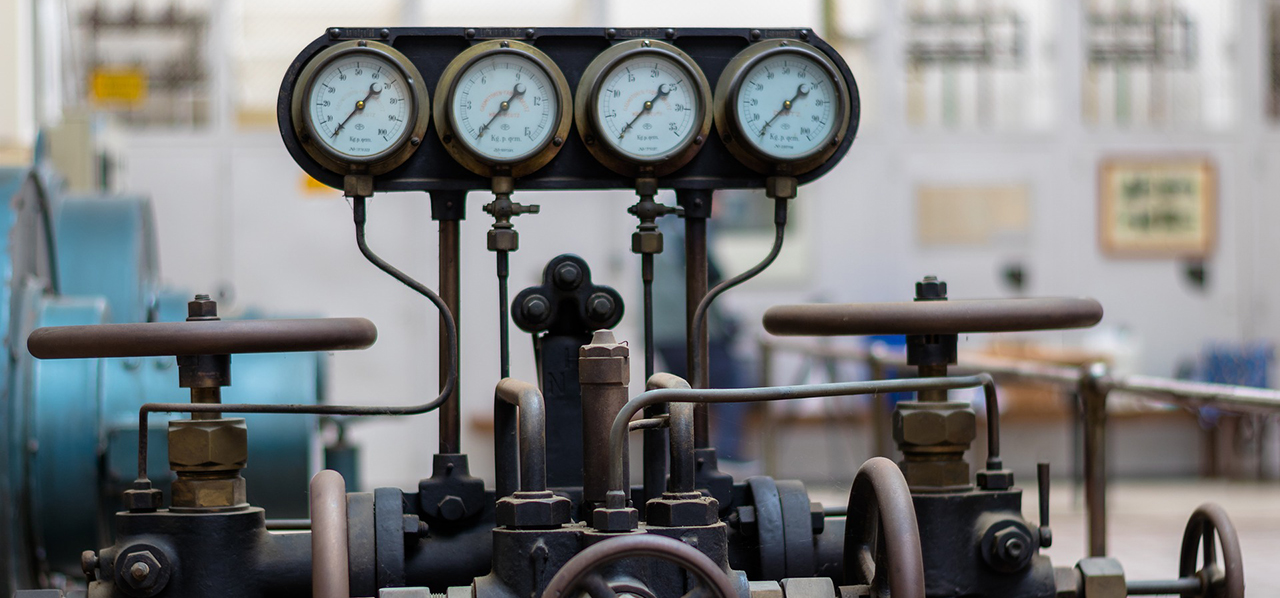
(430, 49)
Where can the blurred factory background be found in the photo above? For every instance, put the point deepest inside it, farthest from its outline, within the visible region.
(1006, 146)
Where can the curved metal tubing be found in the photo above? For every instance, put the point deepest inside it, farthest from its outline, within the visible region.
(527, 401)
(680, 420)
(446, 389)
(617, 433)
(1207, 519)
(881, 515)
(217, 337)
(580, 571)
(330, 577)
(933, 317)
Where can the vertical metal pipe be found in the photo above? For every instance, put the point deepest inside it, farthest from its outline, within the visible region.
(450, 272)
(1093, 393)
(655, 440)
(881, 424)
(504, 318)
(697, 342)
(330, 575)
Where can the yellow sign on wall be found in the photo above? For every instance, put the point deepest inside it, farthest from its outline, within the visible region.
(118, 86)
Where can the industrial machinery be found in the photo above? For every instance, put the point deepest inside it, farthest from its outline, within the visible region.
(71, 436)
(561, 517)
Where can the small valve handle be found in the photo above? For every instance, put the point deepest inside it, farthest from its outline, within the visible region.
(933, 317)
(1042, 479)
(208, 337)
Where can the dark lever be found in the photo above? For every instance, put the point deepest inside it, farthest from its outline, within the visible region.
(212, 337)
(1042, 477)
(933, 317)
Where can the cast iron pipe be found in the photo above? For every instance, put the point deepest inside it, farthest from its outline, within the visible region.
(512, 394)
(618, 432)
(330, 577)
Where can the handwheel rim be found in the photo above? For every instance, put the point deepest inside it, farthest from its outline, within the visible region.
(1207, 520)
(580, 567)
(882, 514)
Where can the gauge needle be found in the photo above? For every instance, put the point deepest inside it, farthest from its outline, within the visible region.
(516, 92)
(662, 91)
(801, 90)
(374, 89)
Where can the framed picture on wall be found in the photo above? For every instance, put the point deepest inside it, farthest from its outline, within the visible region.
(1157, 207)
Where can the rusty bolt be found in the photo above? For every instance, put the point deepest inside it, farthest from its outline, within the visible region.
(141, 571)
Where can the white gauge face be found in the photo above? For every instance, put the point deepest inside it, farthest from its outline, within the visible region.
(360, 105)
(504, 107)
(786, 106)
(647, 106)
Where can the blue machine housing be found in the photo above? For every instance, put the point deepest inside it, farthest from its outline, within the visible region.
(69, 432)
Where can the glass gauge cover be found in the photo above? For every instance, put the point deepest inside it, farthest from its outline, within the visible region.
(784, 106)
(358, 107)
(503, 106)
(642, 107)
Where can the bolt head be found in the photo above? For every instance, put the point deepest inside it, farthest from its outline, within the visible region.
(599, 307)
(931, 289)
(202, 308)
(536, 309)
(452, 508)
(568, 276)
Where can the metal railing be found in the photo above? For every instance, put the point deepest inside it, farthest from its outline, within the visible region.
(1092, 382)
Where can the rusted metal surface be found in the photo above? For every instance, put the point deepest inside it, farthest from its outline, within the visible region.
(451, 411)
(220, 337)
(881, 516)
(933, 317)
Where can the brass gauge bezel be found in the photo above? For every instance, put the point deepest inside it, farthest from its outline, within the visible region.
(381, 162)
(732, 132)
(485, 165)
(587, 116)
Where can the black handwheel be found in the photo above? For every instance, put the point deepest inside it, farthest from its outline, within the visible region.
(881, 539)
(1223, 579)
(582, 571)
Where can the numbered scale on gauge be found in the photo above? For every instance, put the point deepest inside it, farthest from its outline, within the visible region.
(782, 107)
(360, 108)
(502, 106)
(642, 107)
(787, 106)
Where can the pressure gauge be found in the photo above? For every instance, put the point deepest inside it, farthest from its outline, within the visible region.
(502, 108)
(360, 107)
(642, 108)
(782, 107)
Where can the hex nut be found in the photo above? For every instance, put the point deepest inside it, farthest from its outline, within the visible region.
(568, 276)
(202, 308)
(615, 520)
(208, 445)
(808, 587)
(646, 242)
(143, 501)
(533, 510)
(682, 510)
(208, 493)
(1011, 549)
(452, 508)
(141, 571)
(990, 479)
(503, 239)
(937, 424)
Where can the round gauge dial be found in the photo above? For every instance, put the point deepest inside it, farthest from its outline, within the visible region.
(783, 107)
(506, 106)
(358, 108)
(642, 107)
